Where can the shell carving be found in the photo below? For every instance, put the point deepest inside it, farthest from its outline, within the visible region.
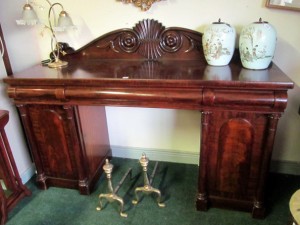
(149, 33)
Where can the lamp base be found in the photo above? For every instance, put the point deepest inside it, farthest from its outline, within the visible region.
(57, 64)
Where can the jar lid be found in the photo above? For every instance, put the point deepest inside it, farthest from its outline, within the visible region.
(260, 21)
(219, 22)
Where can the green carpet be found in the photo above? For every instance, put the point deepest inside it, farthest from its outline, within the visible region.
(178, 183)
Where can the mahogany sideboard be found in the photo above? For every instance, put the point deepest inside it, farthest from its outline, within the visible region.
(63, 112)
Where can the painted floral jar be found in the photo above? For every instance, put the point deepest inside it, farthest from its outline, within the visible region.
(218, 43)
(257, 45)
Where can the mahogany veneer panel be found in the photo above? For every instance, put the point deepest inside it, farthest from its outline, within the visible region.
(95, 139)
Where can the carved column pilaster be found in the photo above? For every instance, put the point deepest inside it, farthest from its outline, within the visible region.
(202, 196)
(72, 116)
(41, 178)
(258, 205)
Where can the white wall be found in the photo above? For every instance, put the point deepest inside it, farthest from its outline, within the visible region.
(172, 130)
(13, 131)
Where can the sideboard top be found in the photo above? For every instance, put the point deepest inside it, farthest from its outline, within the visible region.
(149, 55)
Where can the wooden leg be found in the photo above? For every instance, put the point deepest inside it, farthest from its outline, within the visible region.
(3, 207)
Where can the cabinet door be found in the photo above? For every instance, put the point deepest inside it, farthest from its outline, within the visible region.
(235, 156)
(52, 134)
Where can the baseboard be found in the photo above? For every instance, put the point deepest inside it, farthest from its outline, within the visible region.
(284, 167)
(26, 176)
(156, 154)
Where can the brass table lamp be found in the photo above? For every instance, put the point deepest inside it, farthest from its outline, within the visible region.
(29, 17)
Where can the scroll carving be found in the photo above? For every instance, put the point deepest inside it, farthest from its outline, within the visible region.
(129, 42)
(152, 40)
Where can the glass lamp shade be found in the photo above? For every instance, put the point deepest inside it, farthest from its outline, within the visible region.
(29, 16)
(64, 22)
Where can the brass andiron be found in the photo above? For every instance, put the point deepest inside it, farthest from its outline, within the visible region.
(112, 196)
(147, 188)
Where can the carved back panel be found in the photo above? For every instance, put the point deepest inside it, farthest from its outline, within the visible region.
(148, 40)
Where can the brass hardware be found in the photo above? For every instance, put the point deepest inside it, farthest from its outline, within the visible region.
(112, 196)
(144, 5)
(147, 188)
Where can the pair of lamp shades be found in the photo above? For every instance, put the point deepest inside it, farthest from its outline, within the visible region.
(29, 17)
(257, 44)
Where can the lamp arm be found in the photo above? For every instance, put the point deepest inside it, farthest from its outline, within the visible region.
(50, 10)
(56, 55)
(50, 4)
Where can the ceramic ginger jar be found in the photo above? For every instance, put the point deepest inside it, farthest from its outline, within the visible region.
(257, 44)
(218, 43)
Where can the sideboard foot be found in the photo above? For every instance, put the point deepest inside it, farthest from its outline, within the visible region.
(258, 211)
(202, 202)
